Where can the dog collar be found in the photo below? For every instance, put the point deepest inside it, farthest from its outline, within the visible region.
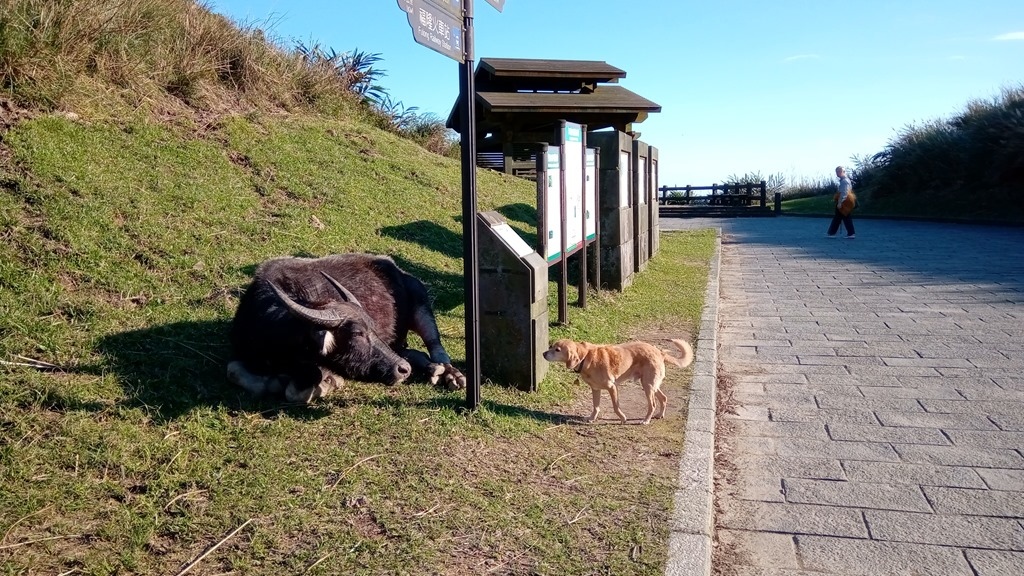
(578, 368)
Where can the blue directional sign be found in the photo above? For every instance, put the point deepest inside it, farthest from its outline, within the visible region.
(498, 4)
(438, 27)
(453, 7)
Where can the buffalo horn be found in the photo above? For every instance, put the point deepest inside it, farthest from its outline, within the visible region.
(348, 296)
(322, 318)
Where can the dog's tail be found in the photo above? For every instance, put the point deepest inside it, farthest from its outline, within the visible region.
(687, 351)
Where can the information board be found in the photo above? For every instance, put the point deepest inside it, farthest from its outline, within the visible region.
(574, 158)
(590, 193)
(553, 206)
(512, 240)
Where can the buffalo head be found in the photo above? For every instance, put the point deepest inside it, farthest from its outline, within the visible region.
(346, 338)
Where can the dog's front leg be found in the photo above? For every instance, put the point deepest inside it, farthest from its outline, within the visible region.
(613, 391)
(597, 404)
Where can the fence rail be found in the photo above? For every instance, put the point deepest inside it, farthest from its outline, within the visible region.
(721, 195)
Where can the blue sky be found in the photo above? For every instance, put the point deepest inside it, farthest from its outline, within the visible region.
(793, 87)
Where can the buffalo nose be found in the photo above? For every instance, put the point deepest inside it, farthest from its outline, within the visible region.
(402, 371)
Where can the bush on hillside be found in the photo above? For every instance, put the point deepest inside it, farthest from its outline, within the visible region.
(151, 54)
(978, 152)
(103, 57)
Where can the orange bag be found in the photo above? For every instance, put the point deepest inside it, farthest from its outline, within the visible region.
(848, 204)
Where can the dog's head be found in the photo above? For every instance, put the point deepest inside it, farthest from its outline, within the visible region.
(567, 351)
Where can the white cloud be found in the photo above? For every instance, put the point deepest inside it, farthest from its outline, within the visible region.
(1010, 36)
(801, 57)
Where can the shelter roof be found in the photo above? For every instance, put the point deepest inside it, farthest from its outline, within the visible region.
(515, 93)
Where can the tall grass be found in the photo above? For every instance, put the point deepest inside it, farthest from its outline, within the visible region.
(975, 158)
(152, 54)
(809, 187)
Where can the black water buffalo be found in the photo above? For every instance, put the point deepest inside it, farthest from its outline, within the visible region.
(304, 324)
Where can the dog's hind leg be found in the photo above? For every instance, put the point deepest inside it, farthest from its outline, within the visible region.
(650, 391)
(663, 400)
(613, 391)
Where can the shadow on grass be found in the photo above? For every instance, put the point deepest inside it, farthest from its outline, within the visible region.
(428, 234)
(446, 290)
(172, 369)
(508, 410)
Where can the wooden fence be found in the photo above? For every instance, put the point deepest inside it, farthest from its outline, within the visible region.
(749, 194)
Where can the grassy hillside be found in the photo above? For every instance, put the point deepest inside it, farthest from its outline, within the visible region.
(132, 215)
(151, 155)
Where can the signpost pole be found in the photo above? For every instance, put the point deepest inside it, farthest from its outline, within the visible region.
(467, 98)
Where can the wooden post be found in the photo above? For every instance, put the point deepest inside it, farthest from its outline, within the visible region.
(764, 194)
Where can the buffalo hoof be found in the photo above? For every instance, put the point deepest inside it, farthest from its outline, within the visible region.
(330, 383)
(434, 373)
(453, 379)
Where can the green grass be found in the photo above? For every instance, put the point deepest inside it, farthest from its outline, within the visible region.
(125, 248)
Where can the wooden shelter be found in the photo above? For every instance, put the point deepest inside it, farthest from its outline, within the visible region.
(521, 101)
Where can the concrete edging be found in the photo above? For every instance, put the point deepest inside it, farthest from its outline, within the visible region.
(691, 526)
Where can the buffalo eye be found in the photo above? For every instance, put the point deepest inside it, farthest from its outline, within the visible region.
(359, 335)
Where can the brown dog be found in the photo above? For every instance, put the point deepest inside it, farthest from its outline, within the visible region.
(604, 367)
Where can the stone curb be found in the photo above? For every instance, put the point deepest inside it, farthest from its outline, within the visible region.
(689, 546)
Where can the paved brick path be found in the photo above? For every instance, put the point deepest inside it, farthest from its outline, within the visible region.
(871, 399)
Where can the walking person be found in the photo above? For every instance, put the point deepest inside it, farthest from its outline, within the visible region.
(844, 201)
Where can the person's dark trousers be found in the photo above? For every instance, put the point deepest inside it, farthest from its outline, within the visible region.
(846, 220)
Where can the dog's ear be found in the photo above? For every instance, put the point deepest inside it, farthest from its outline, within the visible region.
(573, 354)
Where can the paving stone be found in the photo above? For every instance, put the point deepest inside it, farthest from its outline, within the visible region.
(856, 494)
(976, 502)
(958, 383)
(837, 450)
(791, 467)
(928, 362)
(994, 393)
(915, 474)
(831, 555)
(846, 380)
(986, 439)
(959, 456)
(810, 430)
(999, 479)
(945, 530)
(1011, 422)
(862, 372)
(759, 549)
(944, 393)
(814, 389)
(972, 407)
(827, 416)
(793, 519)
(890, 404)
(747, 413)
(943, 421)
(891, 434)
(777, 378)
(995, 562)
